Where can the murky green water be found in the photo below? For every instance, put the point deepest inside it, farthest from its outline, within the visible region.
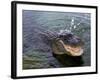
(37, 52)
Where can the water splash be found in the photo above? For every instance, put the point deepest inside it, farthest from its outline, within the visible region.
(78, 23)
(64, 31)
(72, 26)
(72, 21)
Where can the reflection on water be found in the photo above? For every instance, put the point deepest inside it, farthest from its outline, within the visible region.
(37, 52)
(69, 61)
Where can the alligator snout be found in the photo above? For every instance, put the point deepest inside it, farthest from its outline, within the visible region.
(71, 39)
(68, 43)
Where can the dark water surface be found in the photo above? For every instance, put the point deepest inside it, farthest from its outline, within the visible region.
(37, 52)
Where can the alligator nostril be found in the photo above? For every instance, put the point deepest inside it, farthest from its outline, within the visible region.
(73, 41)
(77, 40)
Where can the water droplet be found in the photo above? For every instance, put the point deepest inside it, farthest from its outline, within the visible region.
(70, 28)
(72, 21)
(61, 31)
(78, 24)
(74, 26)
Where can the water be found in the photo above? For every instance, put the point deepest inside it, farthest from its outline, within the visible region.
(37, 52)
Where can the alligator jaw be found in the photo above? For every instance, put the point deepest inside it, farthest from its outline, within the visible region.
(72, 51)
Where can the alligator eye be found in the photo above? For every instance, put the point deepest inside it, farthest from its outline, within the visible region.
(61, 36)
(65, 39)
(69, 35)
